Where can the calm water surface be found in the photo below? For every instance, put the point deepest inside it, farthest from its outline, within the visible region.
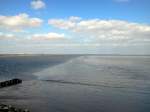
(89, 83)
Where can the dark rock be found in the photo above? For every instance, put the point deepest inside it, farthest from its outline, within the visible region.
(9, 108)
(10, 83)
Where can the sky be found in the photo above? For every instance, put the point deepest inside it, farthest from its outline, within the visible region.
(75, 26)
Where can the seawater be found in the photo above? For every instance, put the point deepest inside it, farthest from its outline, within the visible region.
(87, 83)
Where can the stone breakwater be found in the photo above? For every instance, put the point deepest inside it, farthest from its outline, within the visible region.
(9, 108)
(10, 83)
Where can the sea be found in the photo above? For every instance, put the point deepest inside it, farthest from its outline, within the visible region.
(77, 83)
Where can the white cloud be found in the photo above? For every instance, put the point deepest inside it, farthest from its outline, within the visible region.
(7, 36)
(79, 35)
(37, 4)
(65, 24)
(32, 37)
(19, 22)
(104, 31)
(62, 23)
(48, 36)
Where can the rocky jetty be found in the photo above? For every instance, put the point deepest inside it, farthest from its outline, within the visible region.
(10, 83)
(9, 108)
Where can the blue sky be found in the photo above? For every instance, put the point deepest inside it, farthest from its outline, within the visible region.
(75, 26)
(131, 10)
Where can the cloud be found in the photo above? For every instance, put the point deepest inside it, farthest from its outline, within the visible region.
(19, 22)
(79, 35)
(64, 24)
(48, 36)
(104, 31)
(32, 37)
(7, 36)
(37, 4)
